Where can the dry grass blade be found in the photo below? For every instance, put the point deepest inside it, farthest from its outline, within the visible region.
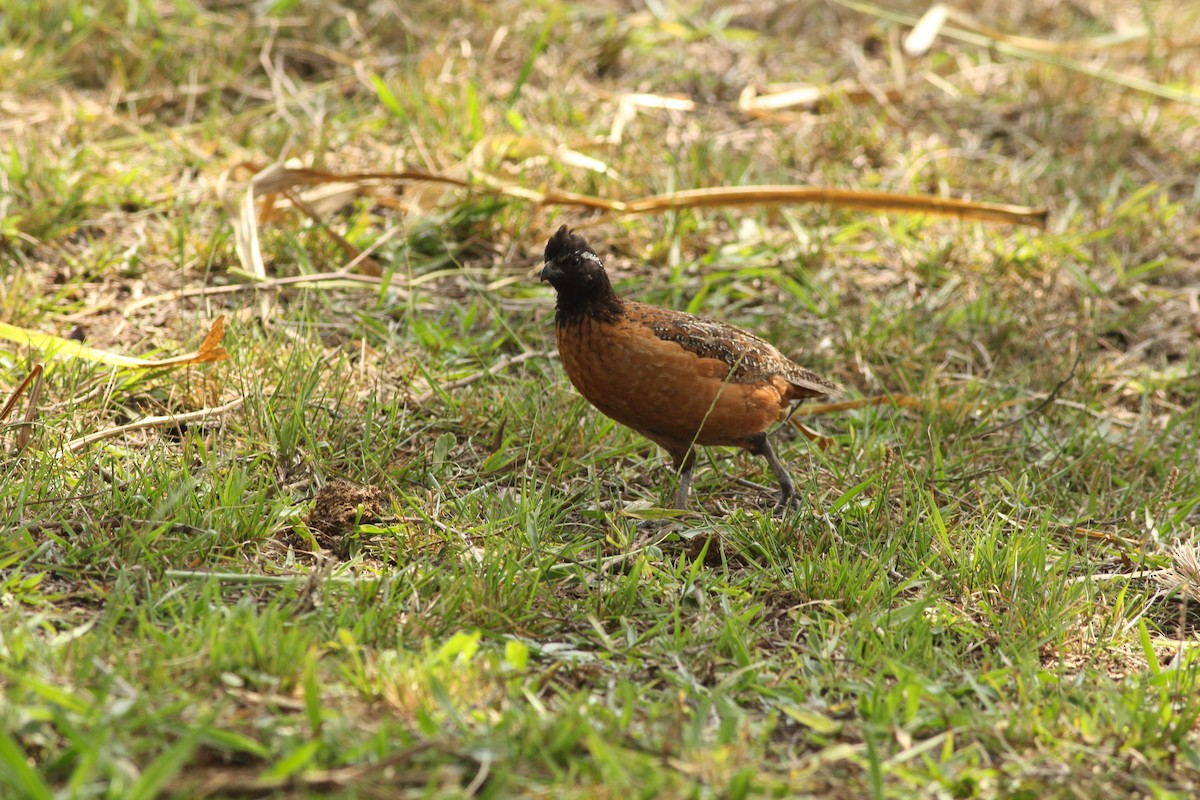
(32, 382)
(277, 178)
(305, 176)
(245, 225)
(58, 347)
(629, 104)
(722, 196)
(76, 445)
(843, 198)
(923, 34)
(809, 96)
(428, 193)
(20, 390)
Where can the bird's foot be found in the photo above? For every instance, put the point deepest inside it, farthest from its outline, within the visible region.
(788, 501)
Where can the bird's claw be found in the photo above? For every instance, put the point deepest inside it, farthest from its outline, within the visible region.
(788, 501)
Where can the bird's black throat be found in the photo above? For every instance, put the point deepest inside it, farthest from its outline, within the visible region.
(597, 302)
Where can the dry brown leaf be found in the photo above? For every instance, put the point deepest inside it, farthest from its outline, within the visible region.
(821, 440)
(210, 350)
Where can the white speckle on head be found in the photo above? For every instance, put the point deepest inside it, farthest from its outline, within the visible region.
(588, 256)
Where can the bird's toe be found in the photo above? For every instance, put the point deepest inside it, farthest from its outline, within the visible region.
(788, 501)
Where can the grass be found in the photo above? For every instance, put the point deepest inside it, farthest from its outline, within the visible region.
(393, 573)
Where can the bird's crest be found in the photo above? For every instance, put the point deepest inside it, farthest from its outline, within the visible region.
(564, 243)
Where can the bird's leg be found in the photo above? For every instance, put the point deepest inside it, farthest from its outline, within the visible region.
(788, 496)
(683, 467)
(791, 411)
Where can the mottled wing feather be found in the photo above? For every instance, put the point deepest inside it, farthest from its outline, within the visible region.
(746, 357)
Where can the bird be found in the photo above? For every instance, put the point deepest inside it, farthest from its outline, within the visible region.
(678, 379)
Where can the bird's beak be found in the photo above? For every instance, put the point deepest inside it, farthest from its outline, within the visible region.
(550, 271)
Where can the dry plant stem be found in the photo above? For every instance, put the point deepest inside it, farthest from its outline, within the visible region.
(75, 445)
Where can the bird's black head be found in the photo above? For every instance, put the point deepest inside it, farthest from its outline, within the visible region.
(574, 270)
(571, 264)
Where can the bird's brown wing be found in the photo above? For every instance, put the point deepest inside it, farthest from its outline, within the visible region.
(746, 357)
